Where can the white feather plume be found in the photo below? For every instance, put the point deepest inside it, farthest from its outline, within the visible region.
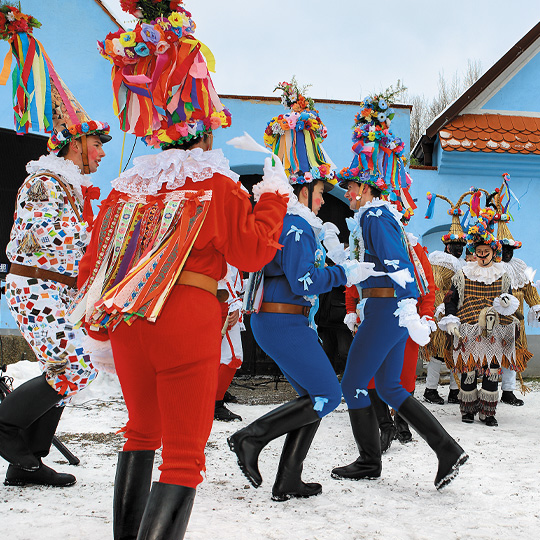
(247, 142)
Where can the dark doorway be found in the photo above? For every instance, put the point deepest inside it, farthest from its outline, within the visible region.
(17, 151)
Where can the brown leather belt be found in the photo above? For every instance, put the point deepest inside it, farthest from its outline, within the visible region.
(40, 273)
(201, 281)
(379, 292)
(291, 309)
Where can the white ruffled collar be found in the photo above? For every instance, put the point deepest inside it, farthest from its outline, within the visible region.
(375, 203)
(296, 208)
(520, 274)
(488, 275)
(64, 168)
(441, 258)
(170, 168)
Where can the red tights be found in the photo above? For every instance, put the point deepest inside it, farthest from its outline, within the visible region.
(408, 372)
(168, 373)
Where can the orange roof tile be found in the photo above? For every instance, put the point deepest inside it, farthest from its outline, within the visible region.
(492, 133)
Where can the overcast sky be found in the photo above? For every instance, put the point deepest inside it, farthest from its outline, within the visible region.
(347, 49)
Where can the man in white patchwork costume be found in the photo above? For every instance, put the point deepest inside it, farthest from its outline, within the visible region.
(53, 218)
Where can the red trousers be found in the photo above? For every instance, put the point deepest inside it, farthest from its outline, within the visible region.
(408, 372)
(168, 373)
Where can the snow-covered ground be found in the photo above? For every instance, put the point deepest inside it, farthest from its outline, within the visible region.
(496, 496)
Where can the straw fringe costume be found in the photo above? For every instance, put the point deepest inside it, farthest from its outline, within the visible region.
(474, 289)
(49, 234)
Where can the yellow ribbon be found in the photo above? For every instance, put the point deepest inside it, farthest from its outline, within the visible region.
(206, 52)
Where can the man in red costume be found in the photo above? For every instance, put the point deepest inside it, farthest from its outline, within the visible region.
(150, 276)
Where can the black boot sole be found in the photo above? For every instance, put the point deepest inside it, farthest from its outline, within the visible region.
(336, 476)
(246, 473)
(282, 497)
(23, 483)
(453, 473)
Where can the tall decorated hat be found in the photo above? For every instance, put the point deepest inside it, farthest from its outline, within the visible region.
(160, 76)
(455, 235)
(502, 216)
(481, 232)
(41, 100)
(296, 137)
(377, 159)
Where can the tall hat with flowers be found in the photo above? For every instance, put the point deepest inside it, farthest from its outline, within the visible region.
(481, 232)
(456, 235)
(296, 138)
(497, 201)
(41, 100)
(378, 160)
(160, 76)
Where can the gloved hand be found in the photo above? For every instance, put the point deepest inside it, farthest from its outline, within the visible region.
(357, 271)
(274, 179)
(418, 332)
(427, 320)
(453, 329)
(505, 304)
(351, 320)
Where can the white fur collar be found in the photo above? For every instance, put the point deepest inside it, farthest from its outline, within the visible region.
(170, 168)
(64, 168)
(487, 275)
(520, 274)
(296, 208)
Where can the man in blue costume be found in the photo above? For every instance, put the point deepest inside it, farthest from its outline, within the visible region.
(390, 313)
(284, 326)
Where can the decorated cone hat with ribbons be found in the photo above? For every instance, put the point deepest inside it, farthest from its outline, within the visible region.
(41, 100)
(502, 216)
(377, 159)
(160, 76)
(481, 232)
(456, 235)
(296, 138)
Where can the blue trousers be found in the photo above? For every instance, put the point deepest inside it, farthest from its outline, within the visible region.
(377, 351)
(295, 348)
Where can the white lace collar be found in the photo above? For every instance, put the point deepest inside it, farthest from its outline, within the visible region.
(441, 258)
(296, 208)
(170, 168)
(487, 275)
(376, 202)
(64, 168)
(520, 274)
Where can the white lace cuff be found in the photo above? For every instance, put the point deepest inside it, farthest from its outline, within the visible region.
(407, 311)
(445, 321)
(506, 304)
(428, 321)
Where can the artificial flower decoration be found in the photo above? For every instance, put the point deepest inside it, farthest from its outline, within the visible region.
(481, 232)
(161, 81)
(296, 137)
(13, 22)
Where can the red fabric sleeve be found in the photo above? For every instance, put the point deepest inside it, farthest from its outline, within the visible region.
(351, 298)
(426, 303)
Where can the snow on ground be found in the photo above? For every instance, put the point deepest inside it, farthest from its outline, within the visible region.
(496, 496)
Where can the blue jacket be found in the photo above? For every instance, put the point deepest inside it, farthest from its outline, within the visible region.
(385, 246)
(297, 270)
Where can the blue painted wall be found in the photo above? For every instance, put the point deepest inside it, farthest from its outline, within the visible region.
(521, 92)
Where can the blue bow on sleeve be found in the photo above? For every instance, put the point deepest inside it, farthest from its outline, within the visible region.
(306, 280)
(297, 232)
